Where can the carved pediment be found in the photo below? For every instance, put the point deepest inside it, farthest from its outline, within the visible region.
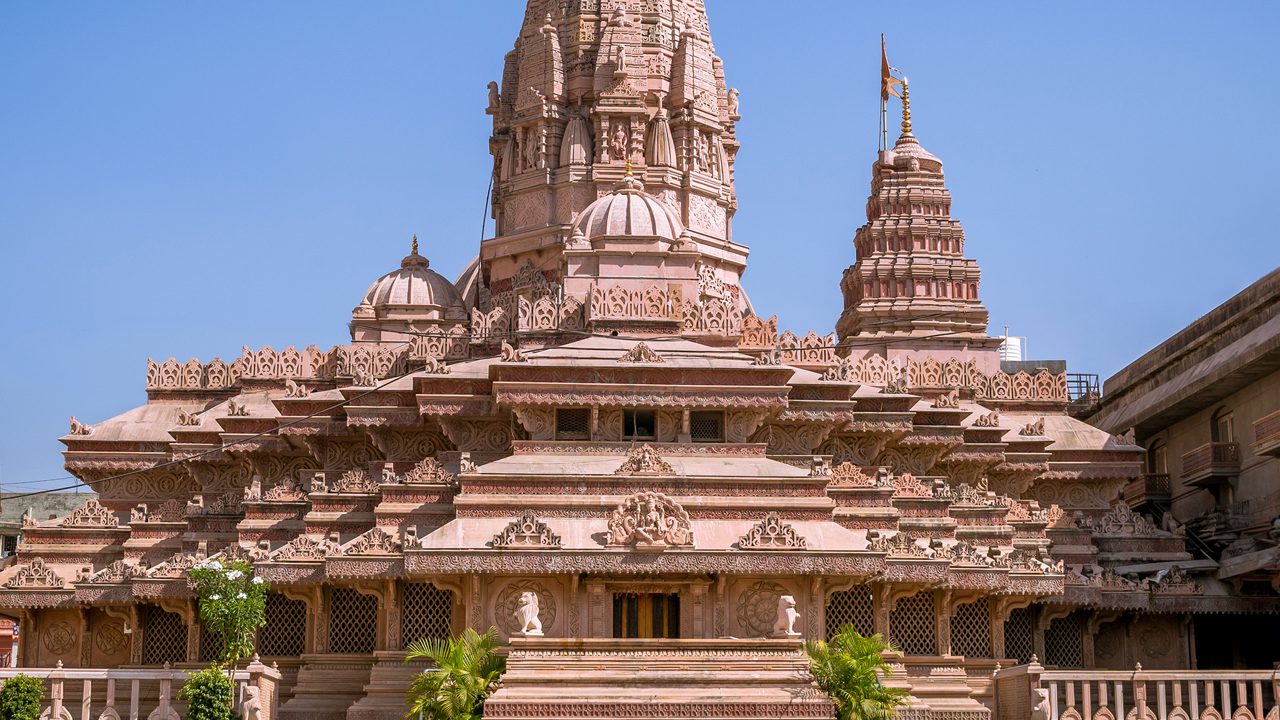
(1120, 520)
(900, 545)
(651, 520)
(173, 568)
(1035, 429)
(640, 353)
(35, 575)
(355, 481)
(846, 474)
(906, 485)
(526, 532)
(772, 534)
(644, 460)
(303, 548)
(429, 471)
(116, 573)
(90, 515)
(375, 542)
(285, 491)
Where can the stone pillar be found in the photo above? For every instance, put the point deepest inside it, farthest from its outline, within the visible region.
(996, 618)
(26, 637)
(267, 682)
(135, 637)
(86, 644)
(815, 610)
(721, 609)
(575, 607)
(1087, 656)
(942, 609)
(475, 614)
(596, 624)
(320, 620)
(881, 599)
(394, 612)
(697, 623)
(188, 612)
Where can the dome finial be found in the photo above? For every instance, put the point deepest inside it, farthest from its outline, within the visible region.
(906, 107)
(414, 249)
(628, 168)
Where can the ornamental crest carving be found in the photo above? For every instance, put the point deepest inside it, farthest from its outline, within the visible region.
(375, 542)
(1175, 582)
(644, 460)
(948, 401)
(1035, 429)
(1123, 521)
(35, 575)
(526, 532)
(116, 573)
(772, 534)
(303, 548)
(650, 519)
(236, 551)
(91, 515)
(900, 545)
(429, 471)
(640, 353)
(907, 486)
(285, 491)
(173, 568)
(989, 420)
(355, 481)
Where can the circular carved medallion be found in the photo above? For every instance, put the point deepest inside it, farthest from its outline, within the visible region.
(110, 638)
(504, 607)
(59, 638)
(758, 607)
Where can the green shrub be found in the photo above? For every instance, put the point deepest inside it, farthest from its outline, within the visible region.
(20, 698)
(848, 670)
(233, 604)
(208, 695)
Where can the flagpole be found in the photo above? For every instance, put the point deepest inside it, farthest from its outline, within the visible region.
(884, 107)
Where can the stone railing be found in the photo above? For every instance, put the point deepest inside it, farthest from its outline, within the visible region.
(1211, 459)
(144, 693)
(1149, 487)
(1030, 691)
(1266, 434)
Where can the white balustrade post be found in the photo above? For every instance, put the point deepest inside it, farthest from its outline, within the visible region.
(165, 685)
(56, 677)
(1139, 692)
(86, 696)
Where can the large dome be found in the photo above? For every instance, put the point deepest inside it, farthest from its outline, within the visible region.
(415, 287)
(628, 211)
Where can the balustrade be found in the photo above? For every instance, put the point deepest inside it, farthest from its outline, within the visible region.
(1030, 691)
(134, 694)
(1266, 434)
(1214, 460)
(1150, 487)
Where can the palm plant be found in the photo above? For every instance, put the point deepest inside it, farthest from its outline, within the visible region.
(466, 670)
(848, 669)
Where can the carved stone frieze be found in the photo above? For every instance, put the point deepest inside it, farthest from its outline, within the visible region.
(772, 534)
(526, 532)
(35, 575)
(376, 541)
(644, 460)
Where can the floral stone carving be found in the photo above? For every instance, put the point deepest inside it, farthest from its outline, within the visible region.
(526, 532)
(303, 548)
(650, 520)
(429, 471)
(772, 534)
(644, 460)
(1123, 521)
(641, 353)
(375, 542)
(355, 481)
(91, 515)
(35, 576)
(758, 607)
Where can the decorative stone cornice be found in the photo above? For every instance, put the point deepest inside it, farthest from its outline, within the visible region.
(772, 534)
(526, 532)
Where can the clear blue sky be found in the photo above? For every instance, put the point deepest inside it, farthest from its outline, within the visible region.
(184, 178)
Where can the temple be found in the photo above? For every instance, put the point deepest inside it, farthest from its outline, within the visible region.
(593, 442)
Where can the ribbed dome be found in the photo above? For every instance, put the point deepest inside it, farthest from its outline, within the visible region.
(628, 212)
(415, 284)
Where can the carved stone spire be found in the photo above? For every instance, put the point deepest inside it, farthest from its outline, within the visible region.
(588, 88)
(911, 280)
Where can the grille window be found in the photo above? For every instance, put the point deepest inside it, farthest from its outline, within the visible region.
(428, 612)
(639, 425)
(164, 637)
(573, 424)
(1062, 645)
(706, 426)
(851, 607)
(285, 633)
(911, 624)
(971, 630)
(1018, 635)
(353, 622)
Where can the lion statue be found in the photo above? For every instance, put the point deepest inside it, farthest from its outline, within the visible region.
(785, 624)
(527, 615)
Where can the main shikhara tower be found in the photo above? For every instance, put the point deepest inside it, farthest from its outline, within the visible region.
(593, 444)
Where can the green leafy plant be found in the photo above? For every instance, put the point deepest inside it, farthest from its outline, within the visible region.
(467, 669)
(208, 695)
(233, 605)
(20, 698)
(848, 670)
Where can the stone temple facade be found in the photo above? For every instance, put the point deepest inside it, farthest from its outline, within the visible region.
(592, 431)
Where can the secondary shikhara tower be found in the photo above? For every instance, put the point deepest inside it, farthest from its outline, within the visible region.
(592, 444)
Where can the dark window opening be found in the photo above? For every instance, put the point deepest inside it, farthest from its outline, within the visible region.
(706, 426)
(639, 425)
(573, 424)
(650, 615)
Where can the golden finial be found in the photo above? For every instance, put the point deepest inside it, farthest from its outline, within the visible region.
(628, 168)
(906, 107)
(414, 251)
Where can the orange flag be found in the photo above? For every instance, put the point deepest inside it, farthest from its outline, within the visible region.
(888, 83)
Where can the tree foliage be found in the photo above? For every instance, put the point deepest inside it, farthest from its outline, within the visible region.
(208, 694)
(20, 698)
(466, 670)
(233, 605)
(848, 670)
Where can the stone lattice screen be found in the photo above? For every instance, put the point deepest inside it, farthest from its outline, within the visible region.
(428, 612)
(911, 624)
(164, 637)
(971, 630)
(353, 622)
(211, 645)
(853, 606)
(1062, 641)
(1018, 641)
(286, 630)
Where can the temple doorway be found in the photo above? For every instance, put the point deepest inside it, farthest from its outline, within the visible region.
(646, 615)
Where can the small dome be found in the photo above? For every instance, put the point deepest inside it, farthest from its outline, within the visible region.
(628, 211)
(414, 285)
(908, 148)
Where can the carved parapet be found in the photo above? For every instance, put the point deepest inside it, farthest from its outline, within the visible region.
(440, 343)
(811, 351)
(759, 334)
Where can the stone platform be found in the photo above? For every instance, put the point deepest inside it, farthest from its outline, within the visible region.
(669, 679)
